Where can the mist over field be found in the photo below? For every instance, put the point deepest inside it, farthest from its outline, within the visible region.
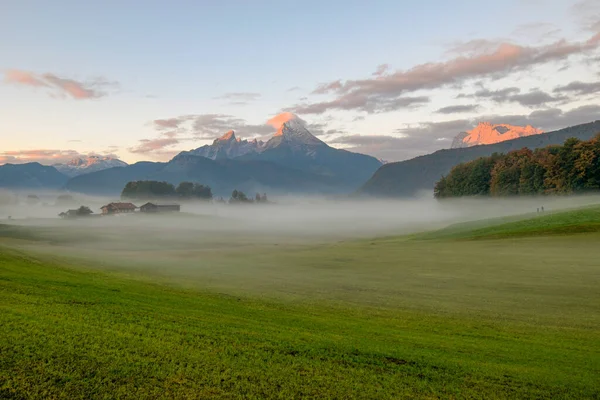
(257, 247)
(285, 218)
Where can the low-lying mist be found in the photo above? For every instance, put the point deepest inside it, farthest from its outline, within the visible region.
(285, 217)
(292, 245)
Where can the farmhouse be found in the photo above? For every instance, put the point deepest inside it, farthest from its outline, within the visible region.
(154, 208)
(118, 208)
(69, 214)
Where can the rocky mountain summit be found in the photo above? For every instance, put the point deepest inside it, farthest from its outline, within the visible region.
(488, 133)
(80, 166)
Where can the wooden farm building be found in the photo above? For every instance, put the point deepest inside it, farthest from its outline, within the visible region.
(69, 214)
(118, 208)
(155, 208)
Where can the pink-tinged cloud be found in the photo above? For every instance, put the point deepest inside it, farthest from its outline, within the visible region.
(22, 78)
(152, 145)
(169, 123)
(280, 119)
(384, 92)
(62, 86)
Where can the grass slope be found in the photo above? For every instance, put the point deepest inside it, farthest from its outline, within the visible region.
(584, 220)
(406, 319)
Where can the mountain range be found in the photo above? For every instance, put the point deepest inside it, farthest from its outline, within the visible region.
(292, 161)
(31, 175)
(80, 166)
(408, 178)
(228, 146)
(488, 133)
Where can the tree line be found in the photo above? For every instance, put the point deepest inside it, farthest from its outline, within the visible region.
(143, 190)
(156, 189)
(573, 167)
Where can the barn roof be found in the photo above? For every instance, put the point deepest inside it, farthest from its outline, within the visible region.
(161, 205)
(120, 206)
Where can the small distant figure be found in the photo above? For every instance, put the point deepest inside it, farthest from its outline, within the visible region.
(538, 210)
(542, 208)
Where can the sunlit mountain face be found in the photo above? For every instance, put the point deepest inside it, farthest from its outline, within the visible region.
(85, 165)
(488, 133)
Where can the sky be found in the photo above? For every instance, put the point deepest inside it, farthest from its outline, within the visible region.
(143, 80)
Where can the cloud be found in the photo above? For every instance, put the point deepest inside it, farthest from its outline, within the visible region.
(214, 125)
(579, 88)
(170, 123)
(23, 78)
(146, 146)
(381, 70)
(588, 14)
(361, 103)
(239, 98)
(43, 156)
(537, 30)
(206, 126)
(458, 109)
(91, 89)
(498, 96)
(280, 119)
(534, 98)
(483, 59)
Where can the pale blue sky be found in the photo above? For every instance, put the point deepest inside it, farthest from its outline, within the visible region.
(177, 58)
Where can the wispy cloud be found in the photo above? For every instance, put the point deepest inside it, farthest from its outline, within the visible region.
(146, 146)
(208, 126)
(533, 99)
(588, 14)
(579, 88)
(239, 98)
(458, 109)
(477, 59)
(60, 86)
(245, 96)
(361, 103)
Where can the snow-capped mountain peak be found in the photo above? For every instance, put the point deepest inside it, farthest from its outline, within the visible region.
(294, 131)
(227, 146)
(85, 165)
(228, 137)
(488, 133)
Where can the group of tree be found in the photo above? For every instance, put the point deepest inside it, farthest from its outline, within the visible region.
(573, 167)
(237, 197)
(156, 190)
(82, 211)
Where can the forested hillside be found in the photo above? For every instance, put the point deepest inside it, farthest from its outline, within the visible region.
(573, 167)
(408, 178)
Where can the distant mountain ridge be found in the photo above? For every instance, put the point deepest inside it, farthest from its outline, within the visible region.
(292, 161)
(227, 146)
(408, 178)
(488, 133)
(295, 147)
(221, 175)
(31, 176)
(79, 166)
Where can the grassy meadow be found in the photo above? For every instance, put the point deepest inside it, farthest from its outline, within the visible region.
(495, 309)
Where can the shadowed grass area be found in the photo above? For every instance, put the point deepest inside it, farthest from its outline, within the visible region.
(381, 318)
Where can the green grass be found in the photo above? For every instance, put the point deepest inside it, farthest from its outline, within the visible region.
(382, 318)
(584, 220)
